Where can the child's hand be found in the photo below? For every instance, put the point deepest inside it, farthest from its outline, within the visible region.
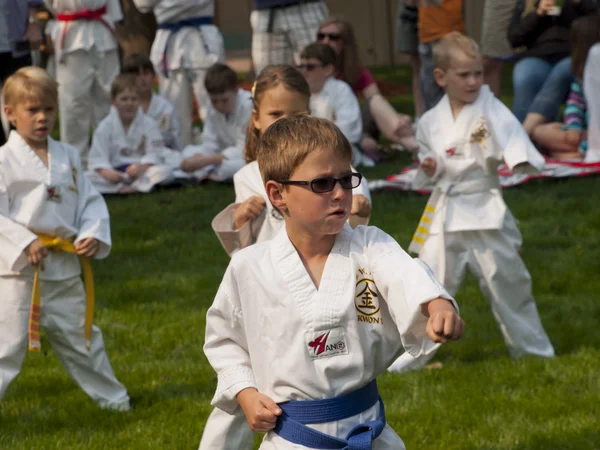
(193, 163)
(545, 7)
(444, 323)
(134, 171)
(360, 206)
(36, 252)
(429, 166)
(261, 411)
(87, 247)
(248, 210)
(112, 176)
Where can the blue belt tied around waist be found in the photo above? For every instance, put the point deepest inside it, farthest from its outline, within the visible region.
(291, 425)
(174, 27)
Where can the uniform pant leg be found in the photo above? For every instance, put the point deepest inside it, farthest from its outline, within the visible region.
(63, 318)
(178, 90)
(225, 431)
(506, 283)
(451, 248)
(75, 76)
(107, 69)
(14, 320)
(213, 51)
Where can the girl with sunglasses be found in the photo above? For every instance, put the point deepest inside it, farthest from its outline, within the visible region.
(279, 91)
(379, 117)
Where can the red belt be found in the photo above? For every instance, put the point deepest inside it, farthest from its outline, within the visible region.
(85, 14)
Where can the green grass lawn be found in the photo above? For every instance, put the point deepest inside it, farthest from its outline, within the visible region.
(166, 264)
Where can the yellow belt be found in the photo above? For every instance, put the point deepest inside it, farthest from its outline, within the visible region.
(57, 244)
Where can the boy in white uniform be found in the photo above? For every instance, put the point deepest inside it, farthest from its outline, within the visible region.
(321, 310)
(152, 104)
(466, 223)
(49, 214)
(128, 154)
(333, 99)
(87, 61)
(186, 45)
(221, 153)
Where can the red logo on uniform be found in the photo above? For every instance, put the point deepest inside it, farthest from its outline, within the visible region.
(451, 151)
(319, 343)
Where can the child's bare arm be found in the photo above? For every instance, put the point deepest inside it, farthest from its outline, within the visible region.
(111, 175)
(260, 410)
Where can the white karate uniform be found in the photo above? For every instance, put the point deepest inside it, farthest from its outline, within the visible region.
(591, 85)
(267, 312)
(191, 52)
(56, 201)
(247, 183)
(472, 226)
(163, 113)
(85, 68)
(142, 144)
(224, 135)
(337, 102)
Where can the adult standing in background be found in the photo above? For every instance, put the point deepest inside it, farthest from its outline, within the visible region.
(20, 33)
(87, 61)
(186, 45)
(495, 47)
(543, 75)
(282, 28)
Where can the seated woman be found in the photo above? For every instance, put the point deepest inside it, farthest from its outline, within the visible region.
(542, 77)
(379, 117)
(569, 140)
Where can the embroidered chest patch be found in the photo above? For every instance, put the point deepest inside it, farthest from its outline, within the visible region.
(480, 133)
(366, 298)
(326, 343)
(53, 194)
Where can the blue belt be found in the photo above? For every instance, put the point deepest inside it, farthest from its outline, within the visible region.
(173, 28)
(291, 425)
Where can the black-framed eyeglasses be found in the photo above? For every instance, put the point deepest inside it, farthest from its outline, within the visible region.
(327, 184)
(308, 66)
(331, 36)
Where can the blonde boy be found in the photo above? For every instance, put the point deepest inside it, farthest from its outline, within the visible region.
(47, 204)
(128, 153)
(320, 310)
(466, 223)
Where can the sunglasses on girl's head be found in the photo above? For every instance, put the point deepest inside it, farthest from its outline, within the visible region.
(327, 184)
(309, 67)
(331, 36)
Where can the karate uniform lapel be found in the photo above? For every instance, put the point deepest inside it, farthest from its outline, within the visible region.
(322, 308)
(28, 158)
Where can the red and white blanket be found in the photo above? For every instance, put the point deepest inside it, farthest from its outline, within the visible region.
(552, 169)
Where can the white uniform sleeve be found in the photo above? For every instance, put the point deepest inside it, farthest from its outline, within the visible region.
(347, 113)
(591, 82)
(14, 237)
(421, 178)
(92, 214)
(405, 284)
(99, 156)
(225, 345)
(175, 131)
(520, 154)
(155, 146)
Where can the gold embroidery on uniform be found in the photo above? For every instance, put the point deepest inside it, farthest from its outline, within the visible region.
(366, 299)
(480, 133)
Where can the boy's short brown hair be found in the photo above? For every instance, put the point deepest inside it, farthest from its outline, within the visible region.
(136, 63)
(122, 82)
(321, 52)
(220, 78)
(30, 84)
(287, 143)
(445, 49)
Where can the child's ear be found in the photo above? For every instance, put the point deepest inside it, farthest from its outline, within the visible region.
(8, 112)
(330, 70)
(255, 119)
(274, 192)
(440, 77)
